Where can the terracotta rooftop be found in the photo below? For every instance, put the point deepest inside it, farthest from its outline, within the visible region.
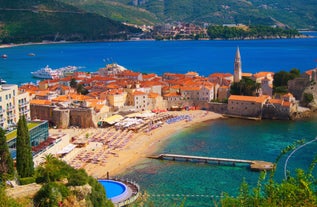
(40, 102)
(138, 93)
(257, 99)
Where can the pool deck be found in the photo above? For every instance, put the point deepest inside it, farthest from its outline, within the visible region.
(131, 194)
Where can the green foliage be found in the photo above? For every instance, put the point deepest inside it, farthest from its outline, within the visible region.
(24, 157)
(73, 83)
(51, 194)
(51, 20)
(78, 178)
(308, 98)
(281, 89)
(81, 89)
(281, 79)
(6, 162)
(299, 190)
(292, 14)
(6, 201)
(225, 32)
(116, 11)
(26, 180)
(246, 87)
(97, 196)
(54, 171)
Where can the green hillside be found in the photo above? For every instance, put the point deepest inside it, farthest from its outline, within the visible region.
(49, 20)
(294, 14)
(122, 12)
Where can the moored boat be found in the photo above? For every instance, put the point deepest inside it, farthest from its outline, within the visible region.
(2, 81)
(45, 73)
(49, 73)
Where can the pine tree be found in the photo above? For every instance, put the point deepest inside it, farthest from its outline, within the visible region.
(24, 158)
(6, 162)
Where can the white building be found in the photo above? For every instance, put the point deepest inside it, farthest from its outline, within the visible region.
(13, 104)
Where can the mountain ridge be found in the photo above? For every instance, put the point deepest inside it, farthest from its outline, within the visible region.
(295, 14)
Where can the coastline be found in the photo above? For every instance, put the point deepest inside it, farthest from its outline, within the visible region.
(141, 145)
(145, 144)
(303, 36)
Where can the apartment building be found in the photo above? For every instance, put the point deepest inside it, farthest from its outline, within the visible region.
(13, 104)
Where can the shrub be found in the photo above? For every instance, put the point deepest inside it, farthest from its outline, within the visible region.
(50, 195)
(307, 98)
(78, 178)
(27, 180)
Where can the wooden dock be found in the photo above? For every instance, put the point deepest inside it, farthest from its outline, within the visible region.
(256, 165)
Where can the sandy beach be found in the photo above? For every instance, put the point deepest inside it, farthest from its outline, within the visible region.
(98, 159)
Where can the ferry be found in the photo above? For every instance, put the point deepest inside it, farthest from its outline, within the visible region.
(49, 73)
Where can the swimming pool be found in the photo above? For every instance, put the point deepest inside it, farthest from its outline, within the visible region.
(115, 190)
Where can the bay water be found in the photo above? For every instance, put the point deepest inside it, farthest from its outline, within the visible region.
(170, 183)
(204, 57)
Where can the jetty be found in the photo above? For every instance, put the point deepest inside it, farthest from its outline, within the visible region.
(256, 165)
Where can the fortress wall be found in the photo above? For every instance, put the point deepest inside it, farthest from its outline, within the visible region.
(43, 112)
(61, 118)
(82, 117)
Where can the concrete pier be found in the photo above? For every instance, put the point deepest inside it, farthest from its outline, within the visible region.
(256, 165)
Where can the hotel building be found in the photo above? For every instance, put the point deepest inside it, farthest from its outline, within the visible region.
(13, 104)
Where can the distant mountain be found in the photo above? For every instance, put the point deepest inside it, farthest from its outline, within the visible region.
(295, 14)
(39, 20)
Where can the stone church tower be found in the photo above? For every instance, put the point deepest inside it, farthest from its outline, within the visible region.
(237, 67)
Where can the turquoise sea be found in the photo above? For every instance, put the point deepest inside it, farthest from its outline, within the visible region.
(166, 182)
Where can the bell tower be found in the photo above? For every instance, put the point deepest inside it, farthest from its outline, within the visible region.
(237, 67)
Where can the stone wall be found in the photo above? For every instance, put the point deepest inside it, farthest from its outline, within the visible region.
(271, 112)
(43, 112)
(81, 117)
(221, 108)
(297, 87)
(66, 117)
(61, 118)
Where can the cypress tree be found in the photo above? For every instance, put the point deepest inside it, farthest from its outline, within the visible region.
(24, 158)
(6, 162)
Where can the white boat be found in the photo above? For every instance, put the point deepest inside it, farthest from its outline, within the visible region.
(49, 73)
(2, 81)
(46, 73)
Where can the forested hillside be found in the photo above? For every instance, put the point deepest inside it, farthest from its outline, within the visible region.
(33, 21)
(123, 12)
(295, 14)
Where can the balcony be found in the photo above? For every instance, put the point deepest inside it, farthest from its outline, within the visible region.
(10, 116)
(24, 104)
(23, 112)
(10, 108)
(2, 111)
